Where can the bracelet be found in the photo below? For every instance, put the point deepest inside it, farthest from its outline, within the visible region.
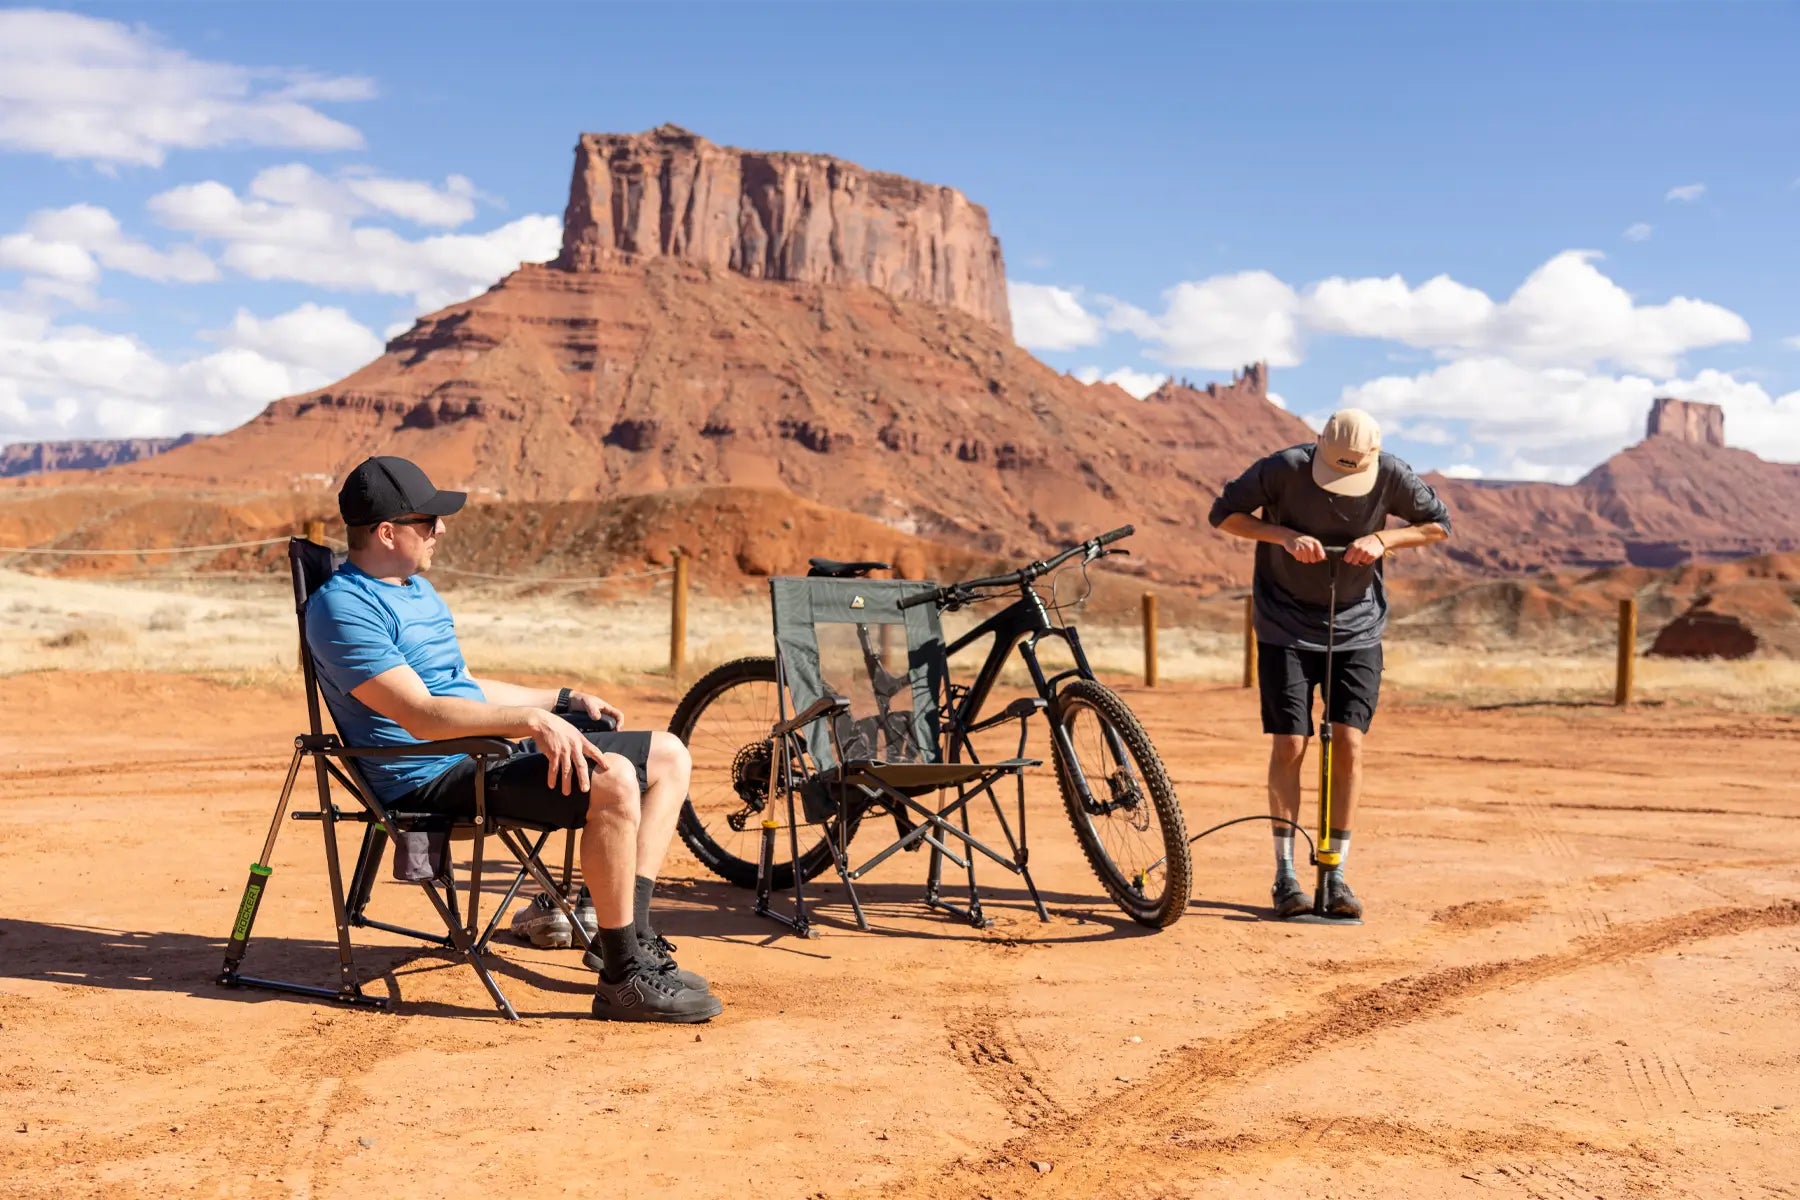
(562, 702)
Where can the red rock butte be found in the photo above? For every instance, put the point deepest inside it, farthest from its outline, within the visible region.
(803, 218)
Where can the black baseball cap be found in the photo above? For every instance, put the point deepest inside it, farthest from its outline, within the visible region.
(386, 487)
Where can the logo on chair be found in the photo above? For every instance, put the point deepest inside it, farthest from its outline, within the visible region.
(856, 602)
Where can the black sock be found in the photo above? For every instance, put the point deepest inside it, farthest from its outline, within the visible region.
(640, 907)
(618, 951)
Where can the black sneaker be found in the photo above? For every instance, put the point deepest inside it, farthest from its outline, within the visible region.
(1289, 897)
(1340, 901)
(648, 994)
(658, 953)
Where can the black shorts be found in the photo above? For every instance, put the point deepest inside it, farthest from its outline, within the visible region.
(1289, 677)
(519, 786)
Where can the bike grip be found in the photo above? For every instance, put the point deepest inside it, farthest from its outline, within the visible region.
(919, 598)
(1123, 531)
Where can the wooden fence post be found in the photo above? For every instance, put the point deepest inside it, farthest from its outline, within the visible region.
(1249, 641)
(315, 532)
(1627, 651)
(678, 598)
(1150, 639)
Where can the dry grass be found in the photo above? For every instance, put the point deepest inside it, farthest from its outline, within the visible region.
(242, 633)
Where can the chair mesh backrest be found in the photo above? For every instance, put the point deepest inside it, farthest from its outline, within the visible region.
(849, 637)
(311, 565)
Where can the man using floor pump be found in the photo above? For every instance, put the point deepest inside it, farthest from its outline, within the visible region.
(1320, 618)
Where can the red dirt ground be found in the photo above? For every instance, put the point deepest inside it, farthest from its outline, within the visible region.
(1579, 978)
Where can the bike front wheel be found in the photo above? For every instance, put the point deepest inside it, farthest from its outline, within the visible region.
(725, 720)
(1121, 803)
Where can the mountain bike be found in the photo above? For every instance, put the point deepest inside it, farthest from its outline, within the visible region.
(1115, 790)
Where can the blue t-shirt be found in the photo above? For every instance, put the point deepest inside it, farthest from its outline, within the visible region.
(359, 627)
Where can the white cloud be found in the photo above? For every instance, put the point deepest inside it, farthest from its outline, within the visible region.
(1792, 343)
(1554, 422)
(1687, 193)
(1050, 318)
(1566, 313)
(324, 341)
(70, 245)
(421, 203)
(1639, 232)
(1137, 383)
(1219, 323)
(80, 87)
(1462, 471)
(61, 381)
(299, 225)
(1438, 312)
(1277, 401)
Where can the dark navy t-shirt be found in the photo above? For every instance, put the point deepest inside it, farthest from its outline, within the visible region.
(359, 627)
(1292, 597)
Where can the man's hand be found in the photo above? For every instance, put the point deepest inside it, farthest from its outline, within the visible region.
(1304, 549)
(595, 708)
(573, 759)
(1365, 550)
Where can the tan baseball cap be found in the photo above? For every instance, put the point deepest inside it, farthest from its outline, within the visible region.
(1347, 457)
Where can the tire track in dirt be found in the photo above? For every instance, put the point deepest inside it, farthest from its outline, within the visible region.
(1127, 1138)
(991, 1050)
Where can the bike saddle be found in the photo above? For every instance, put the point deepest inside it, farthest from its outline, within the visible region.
(832, 569)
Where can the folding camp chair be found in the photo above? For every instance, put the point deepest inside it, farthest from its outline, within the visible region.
(872, 719)
(421, 840)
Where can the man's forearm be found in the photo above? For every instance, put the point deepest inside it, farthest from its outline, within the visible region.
(1255, 529)
(440, 717)
(498, 691)
(1403, 536)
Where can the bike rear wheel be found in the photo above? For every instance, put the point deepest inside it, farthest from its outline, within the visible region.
(1122, 804)
(725, 720)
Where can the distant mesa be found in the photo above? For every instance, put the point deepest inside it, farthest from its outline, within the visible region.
(86, 454)
(1687, 421)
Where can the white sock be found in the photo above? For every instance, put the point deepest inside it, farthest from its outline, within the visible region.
(1284, 850)
(1339, 844)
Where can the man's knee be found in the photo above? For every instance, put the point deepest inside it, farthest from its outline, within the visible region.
(668, 756)
(1347, 741)
(1287, 749)
(614, 791)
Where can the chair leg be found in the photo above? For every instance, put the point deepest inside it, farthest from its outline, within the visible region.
(445, 902)
(349, 987)
(368, 863)
(840, 857)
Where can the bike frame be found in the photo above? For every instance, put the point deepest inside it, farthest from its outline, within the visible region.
(1023, 624)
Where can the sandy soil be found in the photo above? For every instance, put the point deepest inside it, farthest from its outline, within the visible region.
(1579, 978)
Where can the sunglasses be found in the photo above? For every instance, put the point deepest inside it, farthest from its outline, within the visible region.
(428, 524)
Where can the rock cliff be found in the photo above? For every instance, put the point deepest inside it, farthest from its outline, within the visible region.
(30, 458)
(1687, 421)
(802, 218)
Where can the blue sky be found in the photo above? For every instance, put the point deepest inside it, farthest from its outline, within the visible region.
(1502, 228)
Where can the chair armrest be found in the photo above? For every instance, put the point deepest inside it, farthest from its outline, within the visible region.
(824, 706)
(475, 747)
(1019, 710)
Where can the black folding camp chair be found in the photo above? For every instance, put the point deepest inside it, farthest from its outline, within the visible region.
(873, 731)
(421, 840)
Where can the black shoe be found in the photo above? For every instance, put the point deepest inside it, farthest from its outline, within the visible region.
(657, 953)
(1340, 901)
(648, 994)
(1289, 897)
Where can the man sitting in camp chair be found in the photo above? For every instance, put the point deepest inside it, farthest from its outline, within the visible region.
(392, 674)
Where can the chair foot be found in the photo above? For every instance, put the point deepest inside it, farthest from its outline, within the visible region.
(799, 925)
(972, 914)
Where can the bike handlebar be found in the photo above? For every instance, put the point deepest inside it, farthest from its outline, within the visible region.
(1024, 574)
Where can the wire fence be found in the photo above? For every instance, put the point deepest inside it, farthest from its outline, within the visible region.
(1402, 628)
